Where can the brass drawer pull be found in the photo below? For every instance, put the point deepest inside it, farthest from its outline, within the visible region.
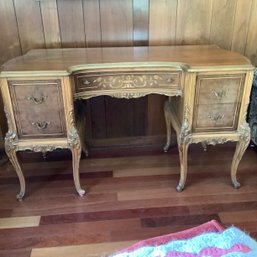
(219, 94)
(216, 117)
(37, 100)
(41, 125)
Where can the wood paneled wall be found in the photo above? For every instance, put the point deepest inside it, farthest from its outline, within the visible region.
(27, 24)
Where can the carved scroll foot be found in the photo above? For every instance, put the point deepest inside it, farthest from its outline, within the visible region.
(85, 151)
(44, 155)
(14, 160)
(204, 145)
(240, 149)
(183, 148)
(180, 187)
(20, 196)
(168, 126)
(166, 147)
(236, 184)
(80, 191)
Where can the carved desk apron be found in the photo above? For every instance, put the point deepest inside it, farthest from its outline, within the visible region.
(211, 86)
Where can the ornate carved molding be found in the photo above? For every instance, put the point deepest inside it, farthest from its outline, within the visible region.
(71, 118)
(187, 112)
(73, 138)
(40, 148)
(127, 95)
(11, 141)
(130, 95)
(244, 132)
(212, 141)
(185, 128)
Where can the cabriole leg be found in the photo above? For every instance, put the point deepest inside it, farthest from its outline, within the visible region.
(240, 149)
(76, 153)
(75, 147)
(183, 149)
(11, 153)
(11, 143)
(242, 144)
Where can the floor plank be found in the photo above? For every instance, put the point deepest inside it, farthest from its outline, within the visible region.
(130, 196)
(19, 222)
(89, 250)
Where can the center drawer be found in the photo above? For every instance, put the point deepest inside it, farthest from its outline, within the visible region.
(128, 80)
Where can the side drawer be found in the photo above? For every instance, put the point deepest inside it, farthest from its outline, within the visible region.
(216, 89)
(38, 108)
(216, 117)
(217, 102)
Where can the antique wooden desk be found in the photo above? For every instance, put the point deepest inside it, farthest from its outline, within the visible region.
(211, 85)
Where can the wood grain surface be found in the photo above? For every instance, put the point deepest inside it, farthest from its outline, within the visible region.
(29, 24)
(130, 198)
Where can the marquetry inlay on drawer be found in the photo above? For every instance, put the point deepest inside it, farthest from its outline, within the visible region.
(128, 80)
(217, 102)
(38, 108)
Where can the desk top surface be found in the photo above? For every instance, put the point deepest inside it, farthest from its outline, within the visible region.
(67, 58)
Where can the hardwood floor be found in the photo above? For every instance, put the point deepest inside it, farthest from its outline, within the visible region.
(130, 196)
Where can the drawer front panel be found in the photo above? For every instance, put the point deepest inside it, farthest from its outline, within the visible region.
(86, 82)
(38, 108)
(216, 117)
(219, 89)
(217, 102)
